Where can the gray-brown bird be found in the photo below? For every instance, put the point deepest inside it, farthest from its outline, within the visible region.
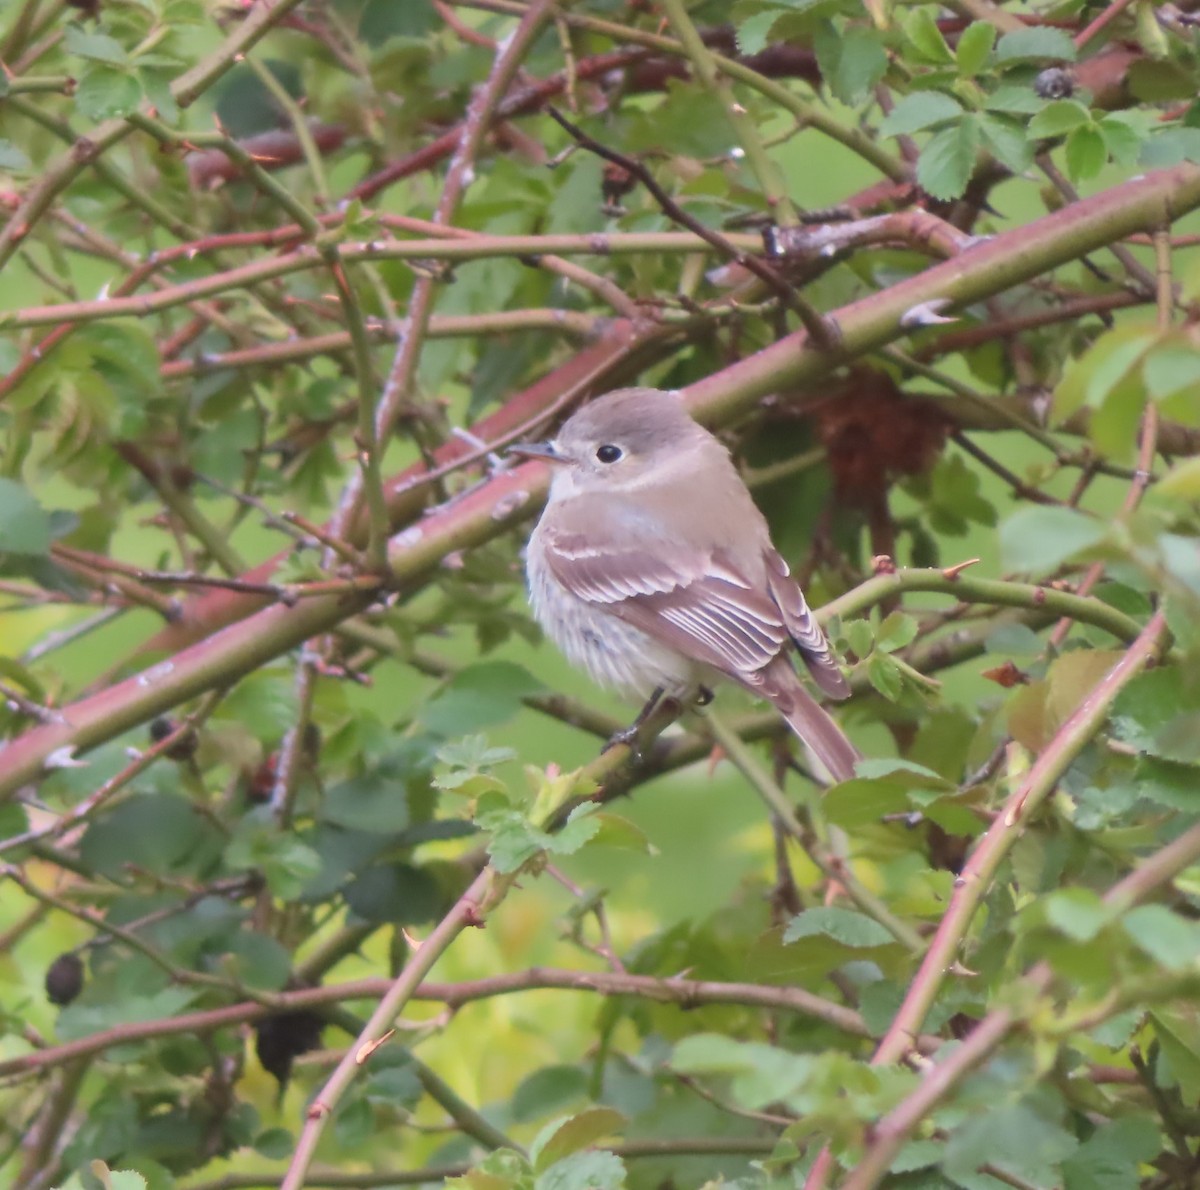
(652, 569)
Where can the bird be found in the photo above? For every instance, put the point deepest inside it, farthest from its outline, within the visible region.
(652, 569)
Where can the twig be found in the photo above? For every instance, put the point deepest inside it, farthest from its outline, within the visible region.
(821, 331)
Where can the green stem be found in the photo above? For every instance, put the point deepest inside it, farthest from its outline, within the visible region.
(967, 589)
(770, 180)
(834, 868)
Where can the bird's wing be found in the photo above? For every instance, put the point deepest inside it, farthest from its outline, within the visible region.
(696, 602)
(803, 628)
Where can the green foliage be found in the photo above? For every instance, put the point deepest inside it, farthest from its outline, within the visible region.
(279, 739)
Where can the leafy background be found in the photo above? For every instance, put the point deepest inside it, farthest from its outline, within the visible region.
(286, 766)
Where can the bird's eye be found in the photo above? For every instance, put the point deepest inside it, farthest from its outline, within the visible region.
(608, 453)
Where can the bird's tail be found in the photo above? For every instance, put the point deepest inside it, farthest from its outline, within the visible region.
(814, 727)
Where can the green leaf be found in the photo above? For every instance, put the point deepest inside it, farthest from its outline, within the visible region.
(1086, 153)
(948, 160)
(1170, 146)
(82, 1020)
(1007, 142)
(1021, 1138)
(762, 1073)
(1169, 368)
(1168, 939)
(1012, 99)
(974, 47)
(1156, 713)
(920, 27)
(274, 1143)
(158, 833)
(595, 1170)
(376, 801)
(754, 33)
(884, 674)
(117, 1179)
(12, 159)
(1122, 140)
(96, 46)
(399, 893)
(257, 961)
(472, 754)
(1109, 1158)
(896, 631)
(1039, 538)
(1058, 118)
(1076, 913)
(846, 926)
(922, 109)
(264, 703)
(1107, 363)
(1161, 80)
(852, 59)
(285, 862)
(104, 92)
(549, 1089)
(24, 523)
(564, 1137)
(1181, 482)
(1178, 1034)
(1033, 42)
(482, 695)
(582, 826)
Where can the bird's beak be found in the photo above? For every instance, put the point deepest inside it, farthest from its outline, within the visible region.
(536, 450)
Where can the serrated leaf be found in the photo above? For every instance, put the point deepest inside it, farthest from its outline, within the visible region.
(1076, 913)
(564, 1137)
(1039, 538)
(377, 801)
(1182, 482)
(885, 676)
(920, 27)
(13, 159)
(1035, 41)
(1155, 713)
(1166, 937)
(1089, 378)
(1169, 368)
(482, 695)
(1123, 142)
(1014, 99)
(1086, 153)
(24, 523)
(117, 1179)
(105, 91)
(761, 1073)
(896, 631)
(1109, 1158)
(1179, 1063)
(852, 59)
(593, 1170)
(95, 46)
(1059, 118)
(947, 162)
(974, 47)
(922, 109)
(1170, 146)
(846, 926)
(754, 33)
(1018, 1138)
(1007, 142)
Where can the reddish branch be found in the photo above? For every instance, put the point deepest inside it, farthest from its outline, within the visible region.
(981, 271)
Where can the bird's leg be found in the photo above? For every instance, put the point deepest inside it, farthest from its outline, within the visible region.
(628, 735)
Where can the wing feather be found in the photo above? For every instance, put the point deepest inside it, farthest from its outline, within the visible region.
(698, 602)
